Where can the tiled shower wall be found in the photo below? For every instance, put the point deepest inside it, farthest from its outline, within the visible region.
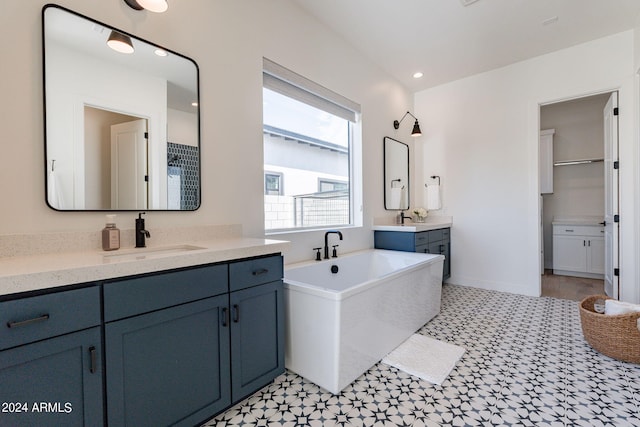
(186, 160)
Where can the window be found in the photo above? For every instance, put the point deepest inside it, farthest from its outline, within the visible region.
(273, 184)
(308, 136)
(329, 185)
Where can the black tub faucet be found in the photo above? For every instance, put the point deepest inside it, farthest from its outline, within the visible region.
(141, 232)
(326, 241)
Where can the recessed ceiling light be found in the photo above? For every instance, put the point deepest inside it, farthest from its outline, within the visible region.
(417, 75)
(194, 104)
(160, 52)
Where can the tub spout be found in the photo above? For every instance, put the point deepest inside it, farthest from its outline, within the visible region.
(326, 241)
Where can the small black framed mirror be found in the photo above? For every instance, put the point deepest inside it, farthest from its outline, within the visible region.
(396, 174)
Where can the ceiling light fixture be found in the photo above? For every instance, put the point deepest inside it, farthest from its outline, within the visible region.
(416, 127)
(120, 43)
(417, 75)
(160, 52)
(158, 6)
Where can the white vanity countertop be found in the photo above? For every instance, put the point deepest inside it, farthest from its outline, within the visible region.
(431, 223)
(578, 220)
(29, 273)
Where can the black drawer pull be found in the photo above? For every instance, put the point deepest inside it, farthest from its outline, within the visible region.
(568, 231)
(260, 272)
(28, 321)
(93, 360)
(225, 317)
(236, 313)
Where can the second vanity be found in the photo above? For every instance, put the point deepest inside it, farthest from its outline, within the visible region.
(431, 237)
(155, 337)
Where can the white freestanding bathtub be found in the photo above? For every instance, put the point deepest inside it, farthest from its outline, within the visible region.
(338, 325)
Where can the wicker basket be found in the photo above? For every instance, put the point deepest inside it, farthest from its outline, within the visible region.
(615, 336)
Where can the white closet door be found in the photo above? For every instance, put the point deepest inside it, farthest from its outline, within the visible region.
(129, 165)
(611, 229)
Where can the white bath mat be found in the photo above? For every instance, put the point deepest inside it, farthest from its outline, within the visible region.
(425, 358)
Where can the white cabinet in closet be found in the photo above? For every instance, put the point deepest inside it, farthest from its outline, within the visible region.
(578, 250)
(546, 161)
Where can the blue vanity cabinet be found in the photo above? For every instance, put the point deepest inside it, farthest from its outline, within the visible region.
(436, 241)
(51, 360)
(167, 363)
(182, 346)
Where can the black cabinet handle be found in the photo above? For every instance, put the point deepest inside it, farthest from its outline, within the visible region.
(28, 321)
(604, 223)
(260, 272)
(93, 360)
(442, 249)
(236, 313)
(225, 317)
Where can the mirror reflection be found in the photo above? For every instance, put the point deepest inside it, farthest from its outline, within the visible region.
(396, 175)
(121, 129)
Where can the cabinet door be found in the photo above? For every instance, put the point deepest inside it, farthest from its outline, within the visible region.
(257, 337)
(446, 247)
(169, 367)
(595, 255)
(569, 253)
(55, 382)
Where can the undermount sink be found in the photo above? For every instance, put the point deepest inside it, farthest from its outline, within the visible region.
(146, 253)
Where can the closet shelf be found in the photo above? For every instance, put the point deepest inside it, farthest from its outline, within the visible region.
(577, 162)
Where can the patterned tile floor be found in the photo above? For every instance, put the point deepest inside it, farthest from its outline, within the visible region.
(526, 364)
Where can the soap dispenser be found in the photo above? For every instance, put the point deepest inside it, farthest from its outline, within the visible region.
(110, 235)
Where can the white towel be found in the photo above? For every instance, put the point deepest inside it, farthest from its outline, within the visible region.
(614, 307)
(396, 201)
(433, 197)
(54, 193)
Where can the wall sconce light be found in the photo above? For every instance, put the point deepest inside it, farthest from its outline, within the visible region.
(120, 43)
(158, 6)
(416, 127)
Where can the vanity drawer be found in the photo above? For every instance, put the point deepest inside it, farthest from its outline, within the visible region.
(244, 274)
(435, 235)
(35, 318)
(578, 230)
(129, 297)
(422, 238)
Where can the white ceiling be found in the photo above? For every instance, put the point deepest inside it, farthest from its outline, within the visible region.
(448, 41)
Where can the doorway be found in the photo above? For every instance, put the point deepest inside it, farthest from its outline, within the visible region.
(573, 208)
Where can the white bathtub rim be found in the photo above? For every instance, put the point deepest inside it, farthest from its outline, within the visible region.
(331, 294)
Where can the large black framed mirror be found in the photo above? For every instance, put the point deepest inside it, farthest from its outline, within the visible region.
(396, 174)
(122, 130)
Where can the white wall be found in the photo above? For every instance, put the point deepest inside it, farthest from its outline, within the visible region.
(182, 127)
(228, 40)
(480, 134)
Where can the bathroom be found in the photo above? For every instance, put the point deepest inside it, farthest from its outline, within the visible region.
(488, 167)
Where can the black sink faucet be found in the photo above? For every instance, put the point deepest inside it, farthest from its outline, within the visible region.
(326, 241)
(141, 232)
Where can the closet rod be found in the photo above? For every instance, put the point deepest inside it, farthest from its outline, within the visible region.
(577, 162)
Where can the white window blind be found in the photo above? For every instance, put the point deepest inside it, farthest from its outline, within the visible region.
(286, 82)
